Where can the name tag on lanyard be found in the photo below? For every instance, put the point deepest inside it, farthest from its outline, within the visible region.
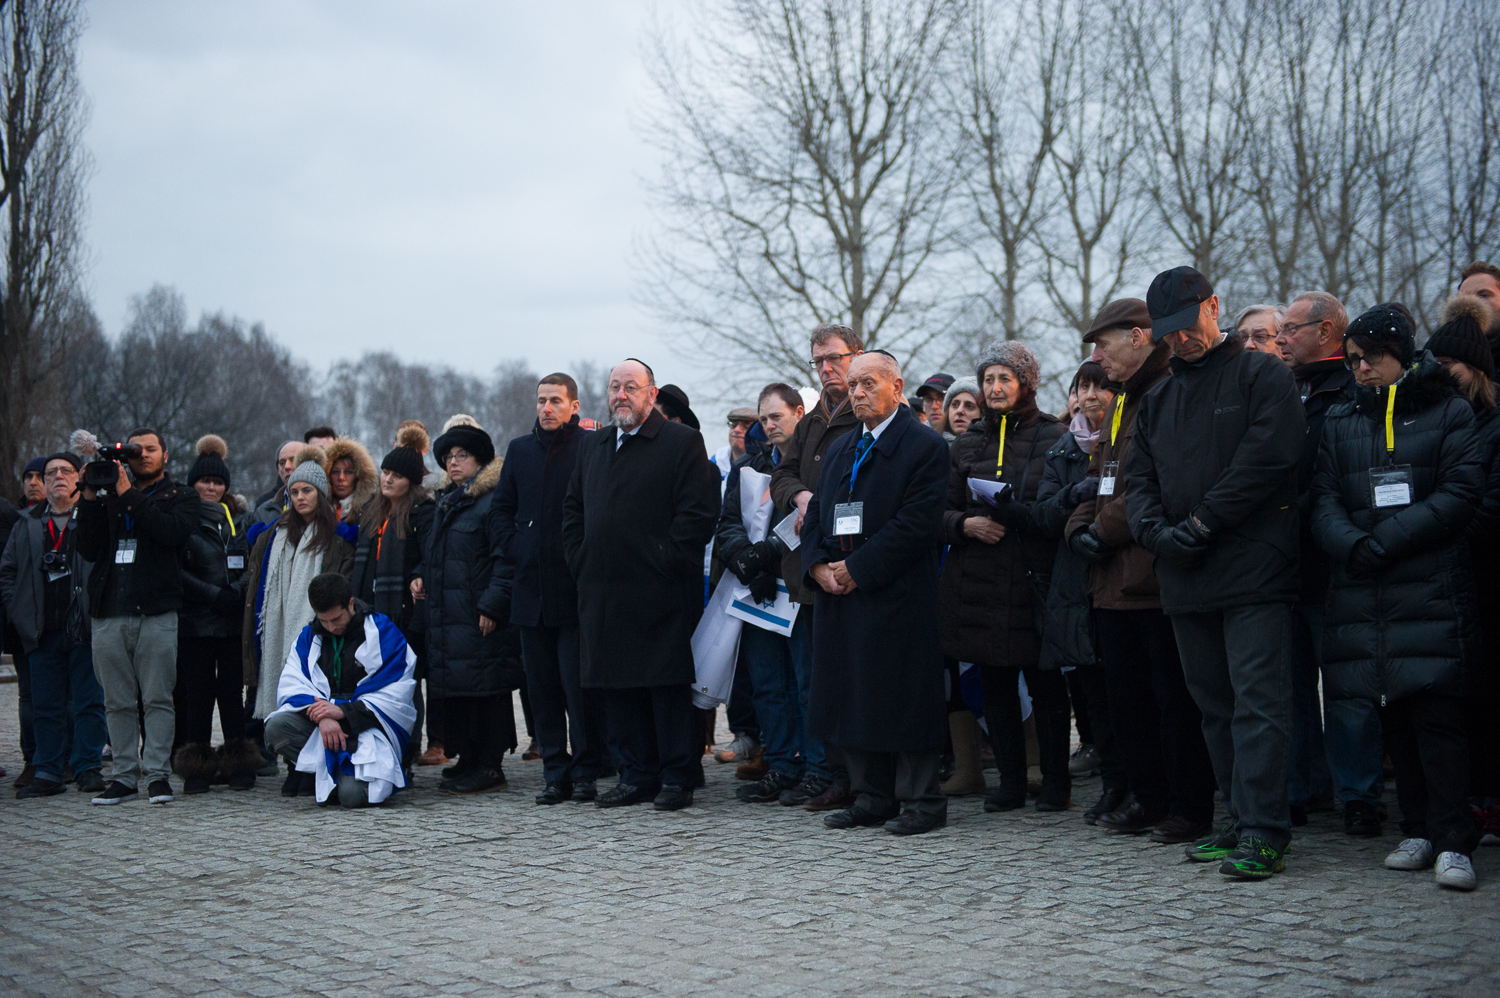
(125, 553)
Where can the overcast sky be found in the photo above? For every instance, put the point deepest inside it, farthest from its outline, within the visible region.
(455, 182)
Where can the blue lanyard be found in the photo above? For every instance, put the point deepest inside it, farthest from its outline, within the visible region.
(854, 471)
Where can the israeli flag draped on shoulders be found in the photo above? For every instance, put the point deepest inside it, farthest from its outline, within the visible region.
(387, 689)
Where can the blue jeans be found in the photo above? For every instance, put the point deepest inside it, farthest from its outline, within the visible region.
(1356, 749)
(59, 666)
(1309, 779)
(768, 658)
(800, 646)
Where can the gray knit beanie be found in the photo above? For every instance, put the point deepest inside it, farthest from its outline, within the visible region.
(1015, 356)
(312, 473)
(959, 386)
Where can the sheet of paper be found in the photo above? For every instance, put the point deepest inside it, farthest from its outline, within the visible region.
(987, 491)
(789, 536)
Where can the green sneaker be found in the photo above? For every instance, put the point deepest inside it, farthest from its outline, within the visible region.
(1214, 848)
(1255, 859)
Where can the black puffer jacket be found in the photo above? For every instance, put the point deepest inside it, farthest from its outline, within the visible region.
(464, 576)
(213, 574)
(1067, 636)
(986, 588)
(1409, 623)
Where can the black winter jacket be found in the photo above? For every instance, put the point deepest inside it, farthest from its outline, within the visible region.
(1067, 636)
(214, 562)
(730, 536)
(528, 515)
(1327, 383)
(22, 580)
(464, 576)
(159, 520)
(384, 566)
(1219, 440)
(1409, 623)
(986, 590)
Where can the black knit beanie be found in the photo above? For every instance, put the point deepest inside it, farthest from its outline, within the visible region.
(1390, 329)
(210, 461)
(407, 463)
(1461, 336)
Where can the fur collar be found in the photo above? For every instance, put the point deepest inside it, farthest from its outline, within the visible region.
(1427, 385)
(486, 480)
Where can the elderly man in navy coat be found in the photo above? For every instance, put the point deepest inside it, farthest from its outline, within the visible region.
(870, 546)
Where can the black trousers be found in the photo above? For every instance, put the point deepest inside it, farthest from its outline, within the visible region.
(209, 672)
(562, 710)
(1091, 714)
(884, 781)
(655, 731)
(1482, 712)
(1156, 721)
(1078, 695)
(1424, 733)
(1049, 709)
(479, 729)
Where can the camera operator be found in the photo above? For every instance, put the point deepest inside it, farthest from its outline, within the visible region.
(134, 537)
(43, 583)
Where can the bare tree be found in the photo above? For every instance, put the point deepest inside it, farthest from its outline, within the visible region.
(807, 177)
(43, 167)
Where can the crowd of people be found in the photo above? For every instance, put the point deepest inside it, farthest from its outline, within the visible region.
(1243, 559)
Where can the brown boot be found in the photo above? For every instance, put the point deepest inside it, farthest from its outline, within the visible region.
(755, 768)
(968, 776)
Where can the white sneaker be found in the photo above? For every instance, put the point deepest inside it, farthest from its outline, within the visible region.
(1454, 870)
(1411, 854)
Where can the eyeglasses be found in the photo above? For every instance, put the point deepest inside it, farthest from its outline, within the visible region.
(456, 455)
(1369, 358)
(1263, 338)
(1299, 325)
(830, 358)
(58, 472)
(632, 388)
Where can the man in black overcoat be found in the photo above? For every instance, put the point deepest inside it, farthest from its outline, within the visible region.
(638, 513)
(870, 546)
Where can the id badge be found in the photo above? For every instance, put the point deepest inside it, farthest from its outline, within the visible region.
(1107, 480)
(1390, 486)
(848, 519)
(125, 553)
(236, 561)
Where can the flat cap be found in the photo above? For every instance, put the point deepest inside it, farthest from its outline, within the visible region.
(744, 414)
(1122, 313)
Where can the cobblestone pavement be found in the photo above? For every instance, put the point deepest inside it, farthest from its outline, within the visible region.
(249, 893)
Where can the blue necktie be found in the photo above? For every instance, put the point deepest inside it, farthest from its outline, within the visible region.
(865, 442)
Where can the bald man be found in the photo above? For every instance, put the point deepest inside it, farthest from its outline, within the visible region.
(870, 544)
(639, 511)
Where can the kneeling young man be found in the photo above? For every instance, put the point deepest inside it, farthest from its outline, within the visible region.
(344, 704)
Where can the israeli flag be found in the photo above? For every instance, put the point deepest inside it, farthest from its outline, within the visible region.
(387, 689)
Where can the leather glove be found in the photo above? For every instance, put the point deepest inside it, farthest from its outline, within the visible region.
(746, 565)
(1012, 515)
(1366, 558)
(1181, 545)
(228, 602)
(1086, 544)
(770, 553)
(763, 587)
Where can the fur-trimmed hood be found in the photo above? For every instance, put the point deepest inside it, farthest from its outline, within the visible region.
(486, 480)
(367, 478)
(1426, 385)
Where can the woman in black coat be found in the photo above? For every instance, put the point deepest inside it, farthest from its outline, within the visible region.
(996, 569)
(1397, 482)
(473, 654)
(209, 659)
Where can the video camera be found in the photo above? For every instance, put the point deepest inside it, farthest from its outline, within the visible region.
(103, 471)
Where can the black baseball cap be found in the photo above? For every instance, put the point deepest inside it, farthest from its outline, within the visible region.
(1174, 299)
(937, 385)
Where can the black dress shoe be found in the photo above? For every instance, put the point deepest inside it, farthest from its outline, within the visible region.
(1175, 829)
(1003, 800)
(625, 794)
(484, 780)
(855, 817)
(1113, 799)
(911, 822)
(673, 798)
(555, 793)
(1050, 804)
(1361, 819)
(585, 790)
(1130, 821)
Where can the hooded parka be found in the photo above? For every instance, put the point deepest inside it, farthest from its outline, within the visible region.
(1411, 624)
(215, 563)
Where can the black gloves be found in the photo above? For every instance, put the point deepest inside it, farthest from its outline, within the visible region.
(1086, 544)
(1366, 558)
(770, 552)
(746, 565)
(763, 587)
(1012, 515)
(1081, 492)
(228, 602)
(1181, 545)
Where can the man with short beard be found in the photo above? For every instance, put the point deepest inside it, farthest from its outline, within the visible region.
(638, 513)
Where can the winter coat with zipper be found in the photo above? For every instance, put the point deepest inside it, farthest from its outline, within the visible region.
(730, 535)
(1411, 624)
(384, 565)
(464, 576)
(1127, 580)
(1328, 382)
(22, 581)
(159, 519)
(986, 590)
(528, 513)
(214, 566)
(1067, 634)
(1219, 440)
(801, 461)
(338, 557)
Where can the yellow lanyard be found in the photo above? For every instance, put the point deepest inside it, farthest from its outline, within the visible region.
(1000, 454)
(1114, 423)
(1390, 420)
(230, 517)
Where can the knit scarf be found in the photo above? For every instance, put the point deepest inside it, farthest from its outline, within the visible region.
(1087, 438)
(285, 610)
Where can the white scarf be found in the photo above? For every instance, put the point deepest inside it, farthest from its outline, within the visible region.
(285, 609)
